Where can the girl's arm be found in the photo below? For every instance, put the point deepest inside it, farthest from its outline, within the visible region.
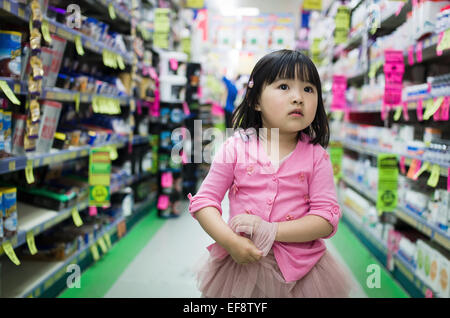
(305, 229)
(241, 249)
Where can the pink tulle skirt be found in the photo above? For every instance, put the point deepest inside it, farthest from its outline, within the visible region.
(224, 278)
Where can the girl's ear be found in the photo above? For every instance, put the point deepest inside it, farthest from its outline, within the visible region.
(257, 107)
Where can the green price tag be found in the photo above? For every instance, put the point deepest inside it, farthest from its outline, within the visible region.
(434, 176)
(112, 11)
(31, 243)
(29, 172)
(398, 113)
(387, 183)
(336, 153)
(9, 250)
(79, 45)
(94, 252)
(422, 169)
(8, 92)
(102, 244)
(76, 217)
(432, 107)
(45, 31)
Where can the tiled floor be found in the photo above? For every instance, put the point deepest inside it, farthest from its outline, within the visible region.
(166, 266)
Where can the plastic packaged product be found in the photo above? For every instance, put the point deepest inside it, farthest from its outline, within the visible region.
(7, 124)
(19, 134)
(1, 217)
(49, 121)
(444, 277)
(443, 20)
(10, 54)
(9, 211)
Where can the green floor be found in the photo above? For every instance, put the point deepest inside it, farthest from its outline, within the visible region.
(99, 278)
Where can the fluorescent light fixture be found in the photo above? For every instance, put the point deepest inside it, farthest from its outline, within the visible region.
(242, 11)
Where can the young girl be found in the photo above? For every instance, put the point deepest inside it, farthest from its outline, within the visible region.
(280, 210)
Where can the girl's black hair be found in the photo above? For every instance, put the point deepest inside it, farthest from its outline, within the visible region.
(286, 64)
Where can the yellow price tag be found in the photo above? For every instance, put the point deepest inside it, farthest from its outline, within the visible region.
(107, 240)
(312, 5)
(113, 155)
(31, 243)
(445, 41)
(8, 92)
(434, 177)
(8, 249)
(12, 166)
(112, 11)
(398, 113)
(76, 217)
(102, 244)
(79, 45)
(120, 62)
(195, 4)
(29, 172)
(7, 5)
(424, 167)
(94, 252)
(77, 102)
(432, 107)
(45, 31)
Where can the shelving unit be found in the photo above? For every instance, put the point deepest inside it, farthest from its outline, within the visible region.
(358, 116)
(48, 279)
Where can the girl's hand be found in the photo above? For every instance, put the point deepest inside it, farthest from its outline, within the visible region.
(243, 250)
(262, 233)
(245, 223)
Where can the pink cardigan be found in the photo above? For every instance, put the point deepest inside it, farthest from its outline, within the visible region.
(303, 185)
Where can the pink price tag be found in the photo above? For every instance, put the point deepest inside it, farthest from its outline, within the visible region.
(384, 111)
(419, 110)
(419, 48)
(152, 73)
(199, 92)
(139, 107)
(437, 113)
(163, 202)
(445, 108)
(402, 165)
(173, 64)
(441, 36)
(415, 3)
(448, 180)
(130, 148)
(166, 180)
(405, 111)
(411, 55)
(92, 210)
(400, 7)
(186, 110)
(216, 110)
(428, 293)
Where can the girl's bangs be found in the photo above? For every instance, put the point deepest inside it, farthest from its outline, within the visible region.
(293, 67)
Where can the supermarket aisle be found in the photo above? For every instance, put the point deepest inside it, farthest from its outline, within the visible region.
(165, 267)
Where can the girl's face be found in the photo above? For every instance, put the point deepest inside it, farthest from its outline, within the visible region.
(288, 104)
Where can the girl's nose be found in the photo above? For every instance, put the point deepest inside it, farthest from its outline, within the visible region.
(297, 99)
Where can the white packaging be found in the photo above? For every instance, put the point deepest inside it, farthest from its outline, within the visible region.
(49, 122)
(442, 214)
(434, 269)
(443, 277)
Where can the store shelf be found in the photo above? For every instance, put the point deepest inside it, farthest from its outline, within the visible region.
(37, 220)
(428, 53)
(22, 11)
(58, 156)
(375, 151)
(33, 278)
(404, 272)
(430, 230)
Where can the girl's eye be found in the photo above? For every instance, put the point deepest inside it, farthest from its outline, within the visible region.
(309, 89)
(283, 87)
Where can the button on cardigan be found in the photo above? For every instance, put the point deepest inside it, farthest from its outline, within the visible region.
(304, 186)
